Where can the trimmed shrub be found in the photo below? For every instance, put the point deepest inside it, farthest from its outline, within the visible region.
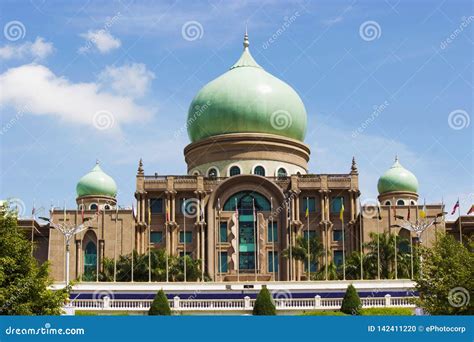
(386, 312)
(160, 305)
(324, 313)
(351, 304)
(264, 304)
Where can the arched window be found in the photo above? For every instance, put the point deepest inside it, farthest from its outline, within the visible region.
(412, 202)
(212, 173)
(400, 202)
(107, 207)
(234, 171)
(93, 206)
(90, 261)
(259, 170)
(196, 173)
(281, 173)
(245, 201)
(388, 203)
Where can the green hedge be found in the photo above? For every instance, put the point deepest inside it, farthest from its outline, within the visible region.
(324, 313)
(264, 304)
(387, 312)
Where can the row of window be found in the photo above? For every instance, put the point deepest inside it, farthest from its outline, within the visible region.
(157, 206)
(401, 202)
(94, 206)
(235, 170)
(272, 235)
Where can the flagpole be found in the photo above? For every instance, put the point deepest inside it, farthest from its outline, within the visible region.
(184, 238)
(255, 236)
(115, 244)
(203, 238)
(396, 255)
(33, 228)
(167, 237)
(360, 243)
(460, 225)
(291, 240)
(273, 239)
(132, 241)
(219, 250)
(378, 241)
(97, 246)
(149, 241)
(238, 242)
(343, 244)
(309, 250)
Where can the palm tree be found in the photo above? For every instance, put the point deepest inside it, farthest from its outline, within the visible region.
(300, 249)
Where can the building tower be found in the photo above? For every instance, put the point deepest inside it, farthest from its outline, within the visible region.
(398, 186)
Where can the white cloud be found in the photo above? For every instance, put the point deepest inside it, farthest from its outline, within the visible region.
(41, 92)
(101, 39)
(129, 80)
(39, 49)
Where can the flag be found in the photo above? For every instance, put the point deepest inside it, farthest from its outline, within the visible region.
(423, 211)
(236, 210)
(341, 213)
(134, 212)
(378, 212)
(306, 214)
(408, 214)
(82, 210)
(394, 212)
(456, 206)
(471, 210)
(149, 212)
(168, 212)
(33, 211)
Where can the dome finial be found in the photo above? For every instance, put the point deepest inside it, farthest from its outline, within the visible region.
(97, 161)
(396, 158)
(246, 38)
(354, 166)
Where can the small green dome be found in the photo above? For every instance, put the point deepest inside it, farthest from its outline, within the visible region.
(397, 178)
(246, 99)
(96, 182)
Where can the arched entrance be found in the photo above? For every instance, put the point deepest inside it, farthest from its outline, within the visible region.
(90, 257)
(247, 204)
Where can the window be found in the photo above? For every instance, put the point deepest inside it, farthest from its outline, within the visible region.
(212, 173)
(312, 234)
(107, 207)
(412, 202)
(245, 200)
(188, 237)
(336, 204)
(156, 237)
(223, 264)
(272, 261)
(308, 201)
(281, 173)
(337, 235)
(196, 173)
(223, 232)
(234, 171)
(93, 206)
(156, 205)
(90, 261)
(272, 231)
(313, 268)
(400, 202)
(259, 170)
(338, 258)
(388, 203)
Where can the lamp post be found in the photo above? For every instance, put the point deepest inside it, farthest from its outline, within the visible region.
(68, 231)
(418, 227)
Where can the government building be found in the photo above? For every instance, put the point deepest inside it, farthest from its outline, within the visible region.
(247, 200)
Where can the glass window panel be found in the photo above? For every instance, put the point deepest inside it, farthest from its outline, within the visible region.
(187, 239)
(272, 262)
(223, 264)
(156, 205)
(272, 235)
(223, 232)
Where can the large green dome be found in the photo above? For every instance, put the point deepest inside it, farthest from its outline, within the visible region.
(397, 178)
(96, 183)
(246, 99)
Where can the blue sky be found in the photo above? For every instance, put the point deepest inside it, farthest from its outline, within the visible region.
(112, 80)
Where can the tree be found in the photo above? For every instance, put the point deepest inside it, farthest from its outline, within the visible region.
(23, 282)
(351, 303)
(160, 305)
(446, 280)
(264, 304)
(299, 251)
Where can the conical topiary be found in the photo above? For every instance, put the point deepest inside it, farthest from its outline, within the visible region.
(160, 305)
(264, 304)
(351, 303)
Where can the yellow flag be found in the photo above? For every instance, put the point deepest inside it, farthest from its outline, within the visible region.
(307, 212)
(341, 213)
(423, 212)
(149, 212)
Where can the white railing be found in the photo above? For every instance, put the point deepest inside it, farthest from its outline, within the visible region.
(246, 304)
